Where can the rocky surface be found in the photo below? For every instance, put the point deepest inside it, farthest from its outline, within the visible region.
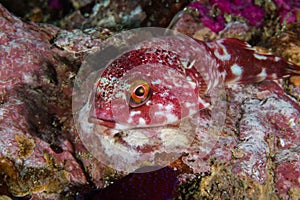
(37, 149)
(251, 21)
(41, 157)
(117, 14)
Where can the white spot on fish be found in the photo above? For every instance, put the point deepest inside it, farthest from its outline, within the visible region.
(156, 82)
(142, 121)
(262, 74)
(184, 62)
(188, 65)
(164, 94)
(201, 101)
(260, 57)
(216, 82)
(189, 104)
(225, 55)
(188, 78)
(191, 82)
(132, 113)
(129, 120)
(274, 76)
(236, 70)
(277, 59)
(170, 61)
(171, 118)
(148, 103)
(169, 107)
(222, 57)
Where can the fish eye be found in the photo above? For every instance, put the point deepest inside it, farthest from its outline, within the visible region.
(140, 91)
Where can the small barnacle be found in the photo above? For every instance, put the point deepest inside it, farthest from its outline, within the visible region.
(25, 145)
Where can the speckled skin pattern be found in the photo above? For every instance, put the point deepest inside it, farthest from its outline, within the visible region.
(224, 61)
(130, 134)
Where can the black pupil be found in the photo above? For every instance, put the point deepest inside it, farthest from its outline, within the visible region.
(140, 91)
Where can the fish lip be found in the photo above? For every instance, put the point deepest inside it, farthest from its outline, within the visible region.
(112, 124)
(106, 123)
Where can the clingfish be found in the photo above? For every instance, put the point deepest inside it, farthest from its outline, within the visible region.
(162, 80)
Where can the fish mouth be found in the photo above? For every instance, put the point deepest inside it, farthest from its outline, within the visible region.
(111, 124)
(106, 123)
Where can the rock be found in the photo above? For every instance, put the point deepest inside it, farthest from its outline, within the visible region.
(37, 153)
(120, 14)
(252, 21)
(253, 150)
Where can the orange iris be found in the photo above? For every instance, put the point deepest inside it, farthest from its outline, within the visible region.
(139, 93)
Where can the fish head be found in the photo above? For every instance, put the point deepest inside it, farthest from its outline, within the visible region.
(139, 101)
(144, 88)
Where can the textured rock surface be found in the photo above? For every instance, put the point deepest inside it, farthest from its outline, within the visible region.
(41, 156)
(116, 14)
(37, 142)
(254, 21)
(256, 150)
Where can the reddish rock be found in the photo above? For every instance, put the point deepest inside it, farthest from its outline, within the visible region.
(260, 140)
(37, 150)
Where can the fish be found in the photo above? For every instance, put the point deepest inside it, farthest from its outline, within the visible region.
(144, 107)
(163, 80)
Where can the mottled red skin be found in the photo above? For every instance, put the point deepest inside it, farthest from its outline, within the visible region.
(103, 109)
(117, 70)
(230, 60)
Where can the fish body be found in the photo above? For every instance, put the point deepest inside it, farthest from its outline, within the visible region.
(163, 80)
